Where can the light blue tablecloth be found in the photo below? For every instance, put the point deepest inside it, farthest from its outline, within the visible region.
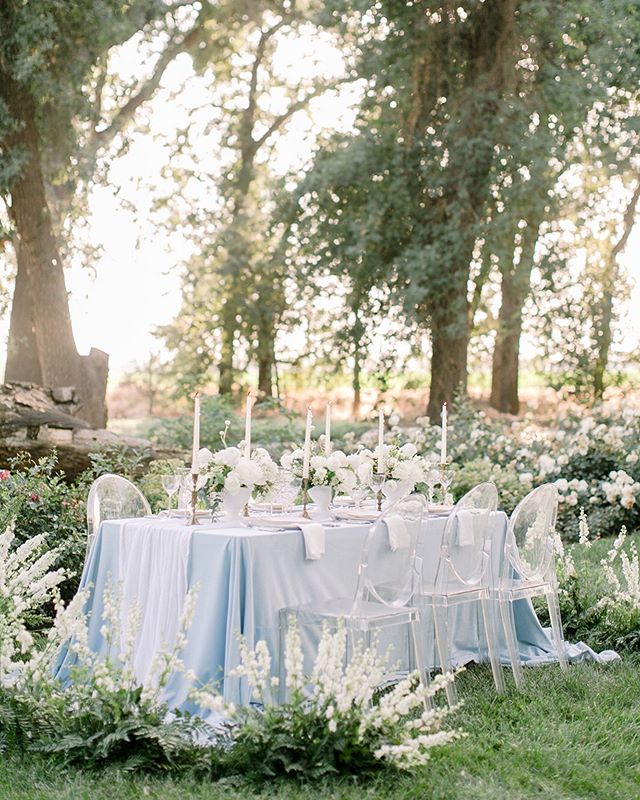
(247, 575)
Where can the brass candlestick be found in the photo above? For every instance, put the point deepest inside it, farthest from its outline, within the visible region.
(305, 498)
(193, 519)
(379, 480)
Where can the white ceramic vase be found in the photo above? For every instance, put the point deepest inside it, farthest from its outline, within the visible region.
(321, 496)
(234, 503)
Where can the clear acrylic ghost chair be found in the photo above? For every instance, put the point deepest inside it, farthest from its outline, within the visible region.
(113, 497)
(528, 569)
(386, 582)
(463, 576)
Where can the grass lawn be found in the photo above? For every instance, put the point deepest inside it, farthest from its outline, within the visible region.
(565, 736)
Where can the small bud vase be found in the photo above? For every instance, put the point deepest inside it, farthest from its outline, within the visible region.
(321, 497)
(233, 504)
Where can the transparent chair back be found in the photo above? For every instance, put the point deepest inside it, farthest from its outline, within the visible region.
(464, 556)
(113, 497)
(529, 549)
(387, 575)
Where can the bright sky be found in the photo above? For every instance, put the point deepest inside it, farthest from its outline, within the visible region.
(136, 284)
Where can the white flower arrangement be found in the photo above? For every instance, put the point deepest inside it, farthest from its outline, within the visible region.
(230, 470)
(337, 470)
(403, 466)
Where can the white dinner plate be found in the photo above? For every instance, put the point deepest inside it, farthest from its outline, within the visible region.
(276, 522)
(355, 514)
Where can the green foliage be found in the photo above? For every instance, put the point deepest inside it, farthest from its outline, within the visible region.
(36, 495)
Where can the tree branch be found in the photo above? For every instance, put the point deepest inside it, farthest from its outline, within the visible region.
(176, 46)
(627, 221)
(298, 105)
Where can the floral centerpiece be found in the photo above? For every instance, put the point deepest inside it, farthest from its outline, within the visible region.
(335, 470)
(403, 469)
(229, 475)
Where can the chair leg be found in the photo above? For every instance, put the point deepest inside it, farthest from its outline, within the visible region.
(556, 628)
(508, 623)
(489, 632)
(423, 675)
(440, 621)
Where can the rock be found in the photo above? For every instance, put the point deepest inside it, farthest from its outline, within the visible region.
(36, 420)
(63, 394)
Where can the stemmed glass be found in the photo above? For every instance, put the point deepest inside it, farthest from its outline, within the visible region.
(287, 488)
(358, 493)
(432, 480)
(171, 484)
(446, 478)
(376, 482)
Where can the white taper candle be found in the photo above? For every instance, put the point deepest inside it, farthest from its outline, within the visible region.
(443, 440)
(195, 465)
(380, 442)
(327, 430)
(307, 446)
(247, 426)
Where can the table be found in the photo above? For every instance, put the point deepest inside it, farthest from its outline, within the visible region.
(246, 575)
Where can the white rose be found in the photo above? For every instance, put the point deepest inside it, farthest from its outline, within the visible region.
(204, 457)
(346, 480)
(337, 460)
(546, 464)
(228, 457)
(232, 483)
(562, 484)
(320, 476)
(409, 472)
(318, 462)
(249, 473)
(526, 477)
(408, 450)
(364, 472)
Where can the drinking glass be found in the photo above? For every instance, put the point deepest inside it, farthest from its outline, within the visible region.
(288, 488)
(358, 493)
(432, 480)
(446, 478)
(376, 482)
(170, 483)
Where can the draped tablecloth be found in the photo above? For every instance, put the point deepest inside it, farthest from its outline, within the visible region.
(245, 576)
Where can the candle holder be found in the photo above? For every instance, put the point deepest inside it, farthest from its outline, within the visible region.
(305, 498)
(193, 519)
(377, 482)
(245, 513)
(446, 477)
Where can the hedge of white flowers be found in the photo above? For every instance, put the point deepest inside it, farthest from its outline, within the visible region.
(593, 459)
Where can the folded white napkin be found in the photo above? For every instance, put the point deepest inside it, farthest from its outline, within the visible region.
(466, 537)
(313, 533)
(399, 537)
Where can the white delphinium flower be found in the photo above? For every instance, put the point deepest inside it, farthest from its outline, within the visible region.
(294, 660)
(255, 665)
(583, 529)
(25, 583)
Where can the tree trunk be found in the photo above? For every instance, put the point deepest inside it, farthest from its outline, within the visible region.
(604, 335)
(23, 361)
(506, 352)
(41, 340)
(228, 332)
(449, 342)
(356, 383)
